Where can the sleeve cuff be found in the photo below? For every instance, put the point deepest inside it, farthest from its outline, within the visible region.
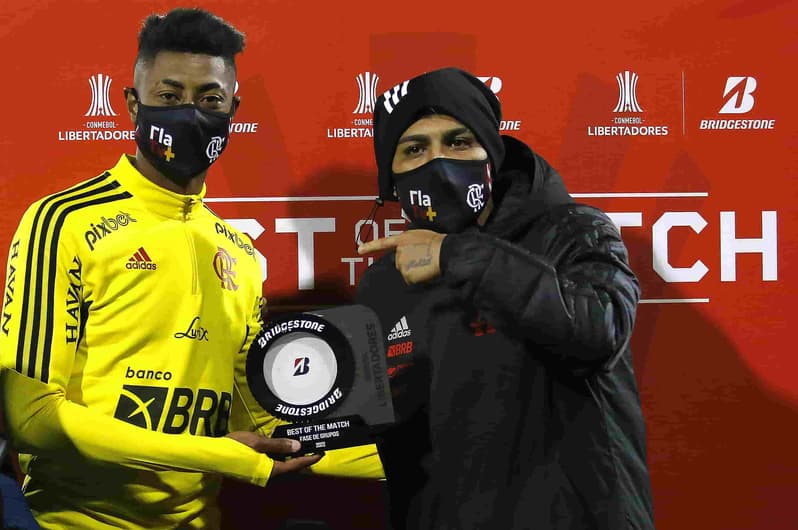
(263, 471)
(448, 248)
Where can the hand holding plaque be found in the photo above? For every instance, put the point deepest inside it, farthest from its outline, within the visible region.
(325, 373)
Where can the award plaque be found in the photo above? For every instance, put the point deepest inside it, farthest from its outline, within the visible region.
(324, 372)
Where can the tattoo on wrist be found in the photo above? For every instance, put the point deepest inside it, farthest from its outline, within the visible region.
(420, 262)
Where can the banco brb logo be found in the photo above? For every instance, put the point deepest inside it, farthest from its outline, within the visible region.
(367, 86)
(100, 101)
(627, 92)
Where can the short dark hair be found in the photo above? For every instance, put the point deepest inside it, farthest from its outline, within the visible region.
(191, 30)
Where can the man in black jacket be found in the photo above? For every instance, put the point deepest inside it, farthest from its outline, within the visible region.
(508, 309)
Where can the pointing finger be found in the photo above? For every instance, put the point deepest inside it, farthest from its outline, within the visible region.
(378, 244)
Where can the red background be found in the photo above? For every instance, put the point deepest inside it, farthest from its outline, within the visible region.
(718, 377)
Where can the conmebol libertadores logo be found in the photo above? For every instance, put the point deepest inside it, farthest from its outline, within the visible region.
(628, 113)
(627, 93)
(361, 126)
(100, 101)
(367, 85)
(99, 126)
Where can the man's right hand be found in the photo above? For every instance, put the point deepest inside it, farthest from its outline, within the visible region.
(283, 446)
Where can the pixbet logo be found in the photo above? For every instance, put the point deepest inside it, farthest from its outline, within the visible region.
(105, 227)
(235, 238)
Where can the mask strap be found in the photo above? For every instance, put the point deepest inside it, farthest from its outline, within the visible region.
(369, 221)
(133, 91)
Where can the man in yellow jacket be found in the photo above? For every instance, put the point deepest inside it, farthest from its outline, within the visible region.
(129, 310)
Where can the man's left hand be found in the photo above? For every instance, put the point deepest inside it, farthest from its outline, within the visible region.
(418, 253)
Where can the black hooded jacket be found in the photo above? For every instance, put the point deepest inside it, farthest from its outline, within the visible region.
(511, 374)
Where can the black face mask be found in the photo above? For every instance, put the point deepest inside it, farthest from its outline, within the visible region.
(444, 195)
(181, 141)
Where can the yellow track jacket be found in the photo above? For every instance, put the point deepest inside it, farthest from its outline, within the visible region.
(128, 311)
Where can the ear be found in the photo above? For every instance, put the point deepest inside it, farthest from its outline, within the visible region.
(132, 102)
(236, 104)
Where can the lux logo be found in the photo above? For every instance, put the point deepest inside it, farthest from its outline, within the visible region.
(423, 200)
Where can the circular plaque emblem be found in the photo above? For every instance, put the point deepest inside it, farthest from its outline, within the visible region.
(300, 367)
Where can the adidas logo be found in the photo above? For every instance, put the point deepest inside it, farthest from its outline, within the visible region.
(140, 260)
(401, 329)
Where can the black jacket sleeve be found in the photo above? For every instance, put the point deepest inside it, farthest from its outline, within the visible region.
(566, 287)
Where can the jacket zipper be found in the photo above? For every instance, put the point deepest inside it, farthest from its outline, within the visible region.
(191, 248)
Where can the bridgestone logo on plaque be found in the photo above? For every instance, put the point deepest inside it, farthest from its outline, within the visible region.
(325, 372)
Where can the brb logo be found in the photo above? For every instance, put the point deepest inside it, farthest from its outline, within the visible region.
(223, 267)
(301, 366)
(155, 408)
